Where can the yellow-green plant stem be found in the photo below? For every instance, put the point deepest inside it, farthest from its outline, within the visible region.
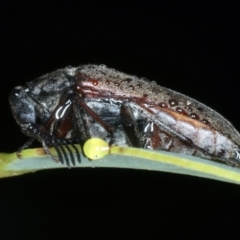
(102, 155)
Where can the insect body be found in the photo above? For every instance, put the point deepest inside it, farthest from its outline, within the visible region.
(72, 105)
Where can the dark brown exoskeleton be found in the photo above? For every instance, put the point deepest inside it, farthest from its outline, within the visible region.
(72, 105)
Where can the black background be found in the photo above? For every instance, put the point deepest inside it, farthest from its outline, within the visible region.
(191, 48)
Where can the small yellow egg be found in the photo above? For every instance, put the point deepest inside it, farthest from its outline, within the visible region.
(96, 148)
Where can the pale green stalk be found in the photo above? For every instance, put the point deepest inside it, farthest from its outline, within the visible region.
(121, 157)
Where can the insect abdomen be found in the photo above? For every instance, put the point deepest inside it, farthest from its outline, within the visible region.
(204, 138)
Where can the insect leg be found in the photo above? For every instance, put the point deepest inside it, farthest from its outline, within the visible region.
(60, 145)
(48, 152)
(141, 132)
(59, 127)
(130, 125)
(81, 125)
(95, 116)
(76, 150)
(24, 146)
(87, 125)
(70, 152)
(235, 161)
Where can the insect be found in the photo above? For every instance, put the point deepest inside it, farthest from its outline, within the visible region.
(73, 104)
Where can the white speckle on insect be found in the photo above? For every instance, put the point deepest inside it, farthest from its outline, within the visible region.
(36, 91)
(153, 82)
(102, 65)
(71, 71)
(238, 154)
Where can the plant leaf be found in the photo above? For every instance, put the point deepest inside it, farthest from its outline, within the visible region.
(120, 157)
